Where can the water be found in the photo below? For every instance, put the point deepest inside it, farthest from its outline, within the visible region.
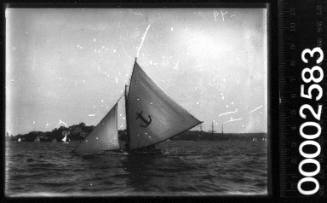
(184, 168)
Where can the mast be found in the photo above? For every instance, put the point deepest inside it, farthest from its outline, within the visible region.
(126, 109)
(127, 126)
(222, 129)
(212, 128)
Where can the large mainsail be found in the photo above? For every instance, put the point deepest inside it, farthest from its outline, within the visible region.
(103, 137)
(152, 116)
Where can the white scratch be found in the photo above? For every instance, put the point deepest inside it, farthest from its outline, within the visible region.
(223, 14)
(256, 109)
(137, 13)
(62, 122)
(142, 41)
(215, 14)
(79, 46)
(229, 112)
(233, 120)
(176, 67)
(91, 115)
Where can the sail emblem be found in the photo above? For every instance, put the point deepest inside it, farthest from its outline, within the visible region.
(139, 115)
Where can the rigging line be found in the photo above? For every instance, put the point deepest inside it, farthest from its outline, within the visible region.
(120, 97)
(233, 120)
(256, 109)
(229, 112)
(142, 41)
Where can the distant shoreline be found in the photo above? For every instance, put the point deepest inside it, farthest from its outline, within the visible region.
(80, 131)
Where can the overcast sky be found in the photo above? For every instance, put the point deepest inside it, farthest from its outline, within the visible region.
(71, 65)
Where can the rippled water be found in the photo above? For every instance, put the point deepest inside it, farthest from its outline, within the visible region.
(184, 168)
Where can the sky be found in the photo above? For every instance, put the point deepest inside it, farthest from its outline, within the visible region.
(66, 66)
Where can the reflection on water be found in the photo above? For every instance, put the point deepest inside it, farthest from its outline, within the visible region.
(140, 171)
(183, 167)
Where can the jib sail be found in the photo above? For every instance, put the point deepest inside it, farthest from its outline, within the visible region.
(103, 137)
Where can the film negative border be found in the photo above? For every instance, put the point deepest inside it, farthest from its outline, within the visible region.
(302, 63)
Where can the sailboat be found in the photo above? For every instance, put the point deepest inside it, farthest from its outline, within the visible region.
(65, 139)
(152, 117)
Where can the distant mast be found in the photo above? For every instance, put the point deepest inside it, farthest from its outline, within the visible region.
(201, 129)
(222, 129)
(212, 128)
(126, 106)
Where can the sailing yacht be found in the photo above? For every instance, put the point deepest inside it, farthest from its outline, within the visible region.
(65, 139)
(151, 118)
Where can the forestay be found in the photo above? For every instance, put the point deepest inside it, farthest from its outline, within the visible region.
(152, 116)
